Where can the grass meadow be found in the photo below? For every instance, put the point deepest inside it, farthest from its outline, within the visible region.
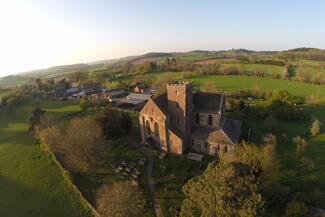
(31, 184)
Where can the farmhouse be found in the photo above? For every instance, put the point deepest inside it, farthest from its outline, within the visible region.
(181, 120)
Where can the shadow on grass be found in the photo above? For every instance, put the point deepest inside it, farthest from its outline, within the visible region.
(13, 202)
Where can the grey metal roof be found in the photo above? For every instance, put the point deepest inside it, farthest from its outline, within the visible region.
(144, 96)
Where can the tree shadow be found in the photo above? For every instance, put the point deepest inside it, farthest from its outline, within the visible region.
(17, 200)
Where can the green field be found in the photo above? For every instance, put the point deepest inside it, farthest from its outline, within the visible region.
(238, 82)
(31, 184)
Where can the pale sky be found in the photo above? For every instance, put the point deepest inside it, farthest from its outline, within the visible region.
(43, 33)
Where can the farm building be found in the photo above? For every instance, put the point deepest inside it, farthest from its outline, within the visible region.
(137, 98)
(116, 93)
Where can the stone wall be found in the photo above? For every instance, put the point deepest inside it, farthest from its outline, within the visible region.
(204, 119)
(211, 149)
(176, 144)
(149, 116)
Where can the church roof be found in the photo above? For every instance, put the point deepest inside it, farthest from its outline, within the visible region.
(229, 132)
(161, 102)
(231, 128)
(208, 102)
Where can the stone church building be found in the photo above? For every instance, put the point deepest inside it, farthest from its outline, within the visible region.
(181, 120)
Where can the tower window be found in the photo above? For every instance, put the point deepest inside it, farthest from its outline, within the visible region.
(176, 92)
(210, 120)
(197, 118)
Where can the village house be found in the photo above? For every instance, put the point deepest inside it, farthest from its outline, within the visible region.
(181, 120)
(139, 88)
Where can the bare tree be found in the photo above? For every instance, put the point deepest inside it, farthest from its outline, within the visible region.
(81, 145)
(120, 199)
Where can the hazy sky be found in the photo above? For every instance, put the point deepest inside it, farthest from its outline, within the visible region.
(43, 33)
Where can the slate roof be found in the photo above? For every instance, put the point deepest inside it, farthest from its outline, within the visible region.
(208, 102)
(229, 132)
(231, 128)
(115, 92)
(134, 101)
(161, 102)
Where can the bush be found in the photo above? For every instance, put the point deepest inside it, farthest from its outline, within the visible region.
(84, 104)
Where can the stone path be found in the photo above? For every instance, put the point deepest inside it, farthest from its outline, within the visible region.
(151, 184)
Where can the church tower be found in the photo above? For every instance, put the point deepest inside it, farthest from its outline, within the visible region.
(180, 102)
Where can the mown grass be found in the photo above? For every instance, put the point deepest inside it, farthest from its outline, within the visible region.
(31, 184)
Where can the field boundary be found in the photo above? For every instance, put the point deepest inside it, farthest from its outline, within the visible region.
(74, 187)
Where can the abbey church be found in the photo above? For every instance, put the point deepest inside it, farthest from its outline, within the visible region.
(182, 120)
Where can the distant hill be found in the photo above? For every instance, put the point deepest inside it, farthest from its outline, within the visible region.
(112, 61)
(195, 55)
(12, 80)
(55, 70)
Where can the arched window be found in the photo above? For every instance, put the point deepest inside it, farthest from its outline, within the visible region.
(156, 130)
(210, 120)
(148, 127)
(206, 145)
(226, 148)
(197, 118)
(218, 148)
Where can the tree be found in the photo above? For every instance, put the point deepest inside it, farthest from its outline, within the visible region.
(84, 104)
(82, 144)
(224, 189)
(301, 145)
(162, 81)
(317, 78)
(35, 118)
(208, 86)
(126, 122)
(114, 85)
(296, 209)
(285, 73)
(78, 76)
(315, 128)
(288, 71)
(110, 121)
(120, 199)
(301, 75)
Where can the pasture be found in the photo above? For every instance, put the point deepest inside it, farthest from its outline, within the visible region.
(31, 184)
(232, 83)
